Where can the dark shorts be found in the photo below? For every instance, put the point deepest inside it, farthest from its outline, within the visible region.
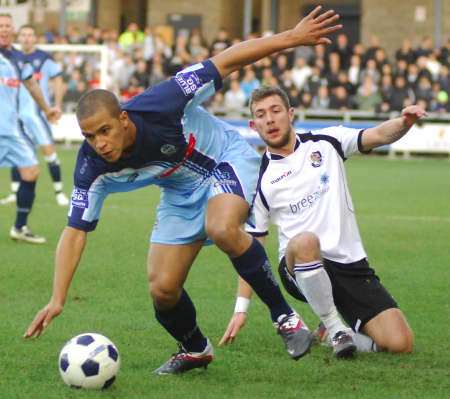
(357, 291)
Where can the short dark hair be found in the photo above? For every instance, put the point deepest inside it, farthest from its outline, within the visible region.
(267, 91)
(94, 100)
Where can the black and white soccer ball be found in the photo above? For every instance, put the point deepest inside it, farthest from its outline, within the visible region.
(89, 361)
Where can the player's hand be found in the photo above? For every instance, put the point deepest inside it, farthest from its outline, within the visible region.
(237, 321)
(42, 320)
(412, 114)
(315, 27)
(53, 114)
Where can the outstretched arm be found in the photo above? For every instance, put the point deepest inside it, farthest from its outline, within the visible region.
(68, 255)
(392, 130)
(310, 31)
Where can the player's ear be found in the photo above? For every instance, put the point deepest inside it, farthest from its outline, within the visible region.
(291, 112)
(251, 124)
(123, 117)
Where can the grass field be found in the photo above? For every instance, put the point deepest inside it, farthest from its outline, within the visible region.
(403, 210)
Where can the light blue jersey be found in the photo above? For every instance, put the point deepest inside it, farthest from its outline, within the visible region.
(11, 76)
(14, 149)
(180, 147)
(35, 123)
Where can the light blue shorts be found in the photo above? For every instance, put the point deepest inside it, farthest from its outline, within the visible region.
(37, 128)
(16, 151)
(182, 221)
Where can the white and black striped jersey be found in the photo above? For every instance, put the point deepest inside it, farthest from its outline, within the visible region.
(308, 191)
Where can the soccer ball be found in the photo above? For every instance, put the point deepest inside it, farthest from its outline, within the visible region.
(89, 361)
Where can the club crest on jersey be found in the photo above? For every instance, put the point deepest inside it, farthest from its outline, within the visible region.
(168, 149)
(316, 159)
(132, 177)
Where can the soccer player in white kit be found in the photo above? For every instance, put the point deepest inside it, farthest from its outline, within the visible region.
(303, 190)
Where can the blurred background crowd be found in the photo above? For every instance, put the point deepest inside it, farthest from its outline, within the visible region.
(337, 77)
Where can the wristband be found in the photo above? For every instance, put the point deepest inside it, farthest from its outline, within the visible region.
(242, 304)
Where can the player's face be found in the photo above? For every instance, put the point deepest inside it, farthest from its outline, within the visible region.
(27, 39)
(6, 31)
(273, 121)
(109, 136)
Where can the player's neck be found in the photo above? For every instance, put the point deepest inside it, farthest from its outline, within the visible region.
(286, 149)
(130, 140)
(28, 51)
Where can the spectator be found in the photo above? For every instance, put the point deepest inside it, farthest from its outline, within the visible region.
(301, 72)
(234, 99)
(386, 88)
(339, 99)
(314, 81)
(354, 72)
(157, 70)
(444, 78)
(149, 44)
(381, 59)
(141, 76)
(221, 42)
(401, 68)
(249, 82)
(401, 94)
(368, 97)
(294, 96)
(405, 52)
(425, 48)
(333, 70)
(322, 99)
(197, 46)
(423, 90)
(132, 37)
(444, 54)
(305, 100)
(343, 49)
(374, 46)
(370, 71)
(281, 65)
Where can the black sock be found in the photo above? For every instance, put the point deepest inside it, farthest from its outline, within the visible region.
(180, 322)
(254, 267)
(55, 171)
(15, 175)
(25, 199)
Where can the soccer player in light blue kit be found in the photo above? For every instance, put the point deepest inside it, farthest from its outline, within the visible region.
(207, 174)
(14, 150)
(46, 72)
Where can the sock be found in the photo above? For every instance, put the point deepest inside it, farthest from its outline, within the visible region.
(364, 343)
(315, 285)
(180, 322)
(25, 199)
(254, 267)
(55, 171)
(15, 180)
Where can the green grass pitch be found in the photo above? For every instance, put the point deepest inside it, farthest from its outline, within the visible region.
(403, 209)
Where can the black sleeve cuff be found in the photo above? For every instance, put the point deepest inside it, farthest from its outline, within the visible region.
(360, 149)
(258, 234)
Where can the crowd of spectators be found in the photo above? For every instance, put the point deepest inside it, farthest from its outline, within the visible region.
(337, 77)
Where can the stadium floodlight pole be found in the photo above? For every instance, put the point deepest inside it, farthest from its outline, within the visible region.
(274, 15)
(438, 23)
(248, 16)
(62, 18)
